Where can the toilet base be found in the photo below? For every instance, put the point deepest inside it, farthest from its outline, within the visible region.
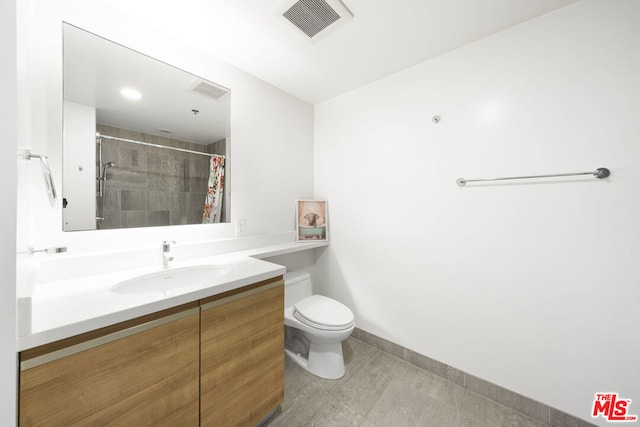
(325, 360)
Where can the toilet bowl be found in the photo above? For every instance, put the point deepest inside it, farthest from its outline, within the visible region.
(315, 327)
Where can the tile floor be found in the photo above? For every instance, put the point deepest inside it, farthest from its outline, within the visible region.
(380, 390)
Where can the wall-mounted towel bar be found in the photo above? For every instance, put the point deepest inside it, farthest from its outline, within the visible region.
(46, 174)
(599, 173)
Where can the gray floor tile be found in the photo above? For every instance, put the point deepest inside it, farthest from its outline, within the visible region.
(363, 388)
(380, 390)
(515, 419)
(561, 419)
(386, 345)
(302, 408)
(402, 406)
(435, 367)
(475, 407)
(295, 380)
(485, 412)
(358, 353)
(429, 384)
(336, 414)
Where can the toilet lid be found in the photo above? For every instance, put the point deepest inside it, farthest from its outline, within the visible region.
(323, 313)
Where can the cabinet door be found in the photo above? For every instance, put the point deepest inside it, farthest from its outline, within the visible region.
(144, 375)
(242, 355)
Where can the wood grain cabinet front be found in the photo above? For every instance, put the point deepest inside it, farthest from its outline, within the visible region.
(140, 373)
(242, 355)
(218, 362)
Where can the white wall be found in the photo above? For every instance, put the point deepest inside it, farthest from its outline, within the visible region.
(8, 146)
(271, 132)
(271, 141)
(79, 166)
(533, 286)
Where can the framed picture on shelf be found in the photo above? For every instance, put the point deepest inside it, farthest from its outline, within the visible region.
(311, 221)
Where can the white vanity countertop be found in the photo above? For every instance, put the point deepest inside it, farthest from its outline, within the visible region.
(70, 307)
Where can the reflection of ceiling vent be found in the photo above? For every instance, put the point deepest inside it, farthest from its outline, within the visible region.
(313, 16)
(208, 89)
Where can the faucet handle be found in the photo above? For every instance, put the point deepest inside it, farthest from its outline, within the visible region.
(51, 250)
(166, 253)
(166, 245)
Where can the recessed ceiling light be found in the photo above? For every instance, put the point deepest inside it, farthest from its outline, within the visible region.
(130, 93)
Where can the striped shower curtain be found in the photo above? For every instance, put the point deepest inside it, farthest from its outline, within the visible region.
(213, 201)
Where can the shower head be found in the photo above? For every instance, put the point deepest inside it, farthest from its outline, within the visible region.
(103, 177)
(104, 170)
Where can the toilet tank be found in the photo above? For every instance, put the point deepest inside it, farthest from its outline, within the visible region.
(297, 286)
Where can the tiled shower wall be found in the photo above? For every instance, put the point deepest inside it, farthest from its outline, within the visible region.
(151, 186)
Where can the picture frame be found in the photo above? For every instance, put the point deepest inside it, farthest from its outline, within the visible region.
(311, 221)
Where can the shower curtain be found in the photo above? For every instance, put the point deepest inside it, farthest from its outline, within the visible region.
(213, 200)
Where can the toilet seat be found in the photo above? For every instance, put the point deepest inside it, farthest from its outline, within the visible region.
(323, 313)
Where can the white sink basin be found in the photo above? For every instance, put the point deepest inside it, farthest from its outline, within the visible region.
(171, 279)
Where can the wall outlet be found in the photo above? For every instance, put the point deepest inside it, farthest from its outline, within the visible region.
(241, 227)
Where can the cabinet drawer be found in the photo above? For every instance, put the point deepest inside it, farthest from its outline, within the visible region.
(242, 347)
(145, 374)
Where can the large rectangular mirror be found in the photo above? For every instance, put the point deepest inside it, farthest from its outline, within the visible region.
(144, 144)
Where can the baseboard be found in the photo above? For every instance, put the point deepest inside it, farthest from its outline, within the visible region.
(526, 406)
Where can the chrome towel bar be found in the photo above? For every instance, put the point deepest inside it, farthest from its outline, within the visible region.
(599, 173)
(46, 174)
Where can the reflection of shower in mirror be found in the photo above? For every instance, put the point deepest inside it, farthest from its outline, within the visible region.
(104, 169)
(103, 176)
(102, 180)
(156, 179)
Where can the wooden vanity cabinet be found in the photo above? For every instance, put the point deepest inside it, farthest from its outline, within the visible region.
(138, 373)
(217, 362)
(242, 355)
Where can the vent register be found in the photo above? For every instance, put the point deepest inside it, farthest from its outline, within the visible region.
(208, 89)
(313, 16)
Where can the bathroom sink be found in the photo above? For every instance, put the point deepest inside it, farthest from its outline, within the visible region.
(171, 279)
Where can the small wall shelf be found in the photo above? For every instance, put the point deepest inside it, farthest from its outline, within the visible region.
(282, 249)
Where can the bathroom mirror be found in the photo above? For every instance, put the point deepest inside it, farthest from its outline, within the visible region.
(144, 144)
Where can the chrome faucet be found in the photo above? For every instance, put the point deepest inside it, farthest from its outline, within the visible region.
(166, 252)
(51, 250)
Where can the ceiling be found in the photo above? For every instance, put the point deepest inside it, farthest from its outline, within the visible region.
(383, 37)
(96, 70)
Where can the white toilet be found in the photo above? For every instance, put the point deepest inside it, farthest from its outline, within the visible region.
(315, 327)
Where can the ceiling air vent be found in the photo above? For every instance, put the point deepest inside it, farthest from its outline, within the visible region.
(208, 89)
(313, 16)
